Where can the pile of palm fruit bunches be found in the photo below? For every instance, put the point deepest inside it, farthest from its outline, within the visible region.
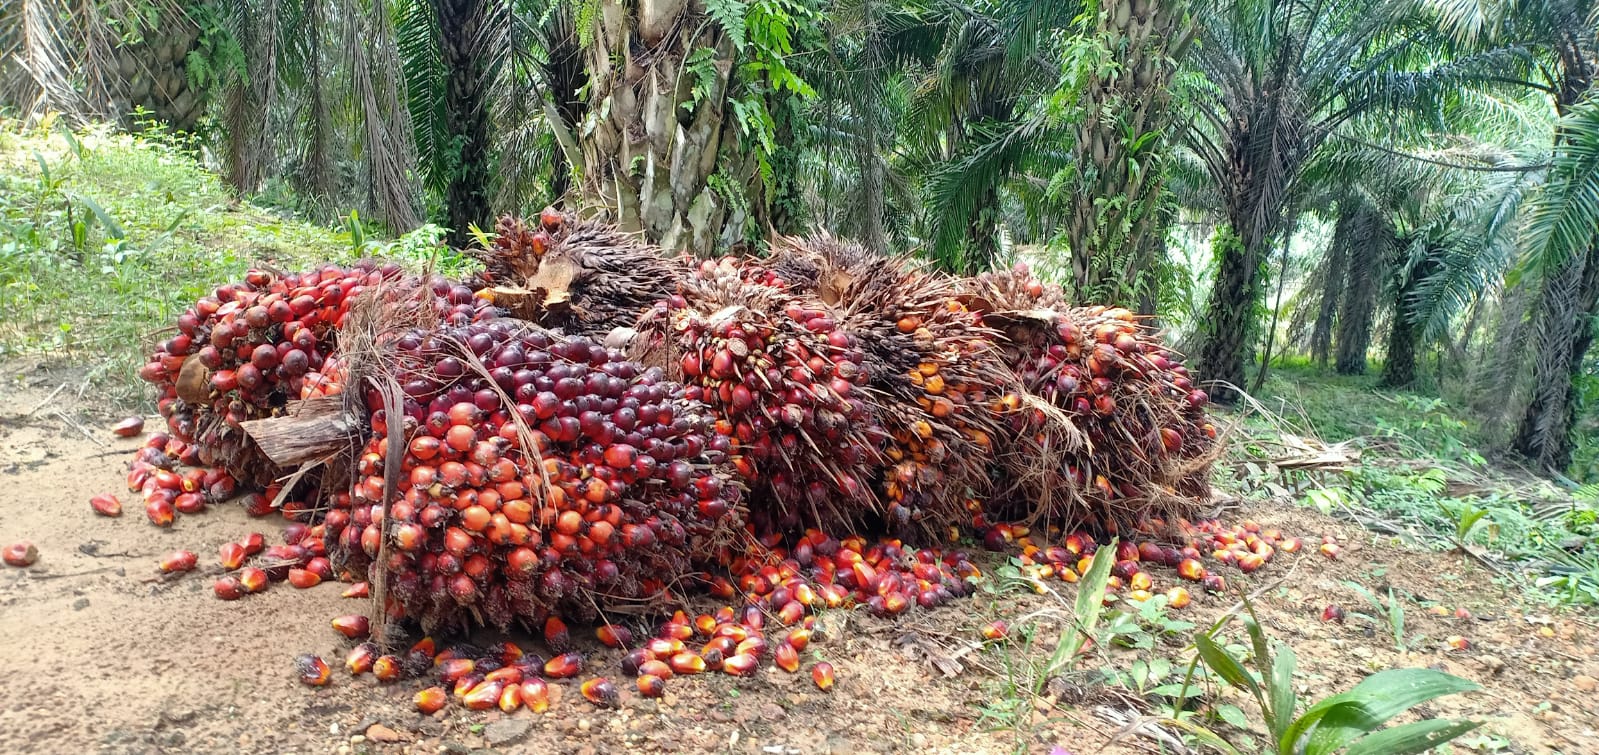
(592, 428)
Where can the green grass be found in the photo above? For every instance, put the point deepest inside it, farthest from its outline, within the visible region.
(1421, 476)
(105, 238)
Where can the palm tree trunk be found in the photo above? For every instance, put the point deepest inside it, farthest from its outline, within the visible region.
(1366, 250)
(1321, 334)
(651, 149)
(1230, 315)
(1118, 149)
(1565, 332)
(467, 32)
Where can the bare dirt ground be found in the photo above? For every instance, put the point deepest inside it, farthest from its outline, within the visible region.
(101, 655)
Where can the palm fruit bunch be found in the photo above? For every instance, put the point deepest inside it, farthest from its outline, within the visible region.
(787, 386)
(1108, 427)
(258, 344)
(539, 475)
(934, 370)
(581, 276)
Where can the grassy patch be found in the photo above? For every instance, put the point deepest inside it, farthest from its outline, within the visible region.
(105, 238)
(1419, 476)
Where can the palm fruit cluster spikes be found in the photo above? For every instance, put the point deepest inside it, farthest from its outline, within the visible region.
(539, 475)
(786, 383)
(248, 349)
(933, 368)
(1106, 413)
(581, 276)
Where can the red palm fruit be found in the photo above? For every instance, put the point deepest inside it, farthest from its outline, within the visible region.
(128, 428)
(354, 626)
(614, 635)
(705, 624)
(313, 670)
(556, 635)
(1178, 597)
(360, 658)
(536, 695)
(662, 647)
(1291, 545)
(753, 645)
(425, 646)
(1150, 553)
(1214, 583)
(1140, 581)
(822, 674)
(386, 668)
(253, 579)
(786, 657)
(722, 589)
(740, 664)
(455, 669)
(189, 503)
(995, 630)
(1330, 550)
(106, 504)
(1333, 613)
(1191, 570)
(253, 543)
(601, 692)
(505, 675)
(229, 588)
(465, 684)
(508, 652)
(1456, 642)
(357, 590)
(431, 700)
(483, 696)
(564, 666)
(510, 697)
(656, 668)
(672, 630)
(303, 578)
(1249, 562)
(685, 664)
(1126, 551)
(651, 686)
(1124, 569)
(791, 613)
(321, 567)
(179, 561)
(1462, 614)
(799, 638)
(160, 512)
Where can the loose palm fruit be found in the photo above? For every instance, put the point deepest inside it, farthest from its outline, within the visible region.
(536, 695)
(1330, 550)
(1214, 583)
(556, 635)
(355, 626)
(386, 668)
(455, 669)
(1456, 642)
(128, 428)
(229, 588)
(564, 666)
(799, 638)
(686, 663)
(995, 630)
(1191, 570)
(614, 635)
(160, 512)
(483, 696)
(510, 697)
(304, 578)
(431, 700)
(1140, 581)
(822, 674)
(651, 686)
(600, 691)
(253, 579)
(232, 556)
(1178, 597)
(786, 657)
(106, 504)
(740, 664)
(1333, 613)
(660, 669)
(179, 561)
(360, 658)
(357, 590)
(1249, 562)
(313, 670)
